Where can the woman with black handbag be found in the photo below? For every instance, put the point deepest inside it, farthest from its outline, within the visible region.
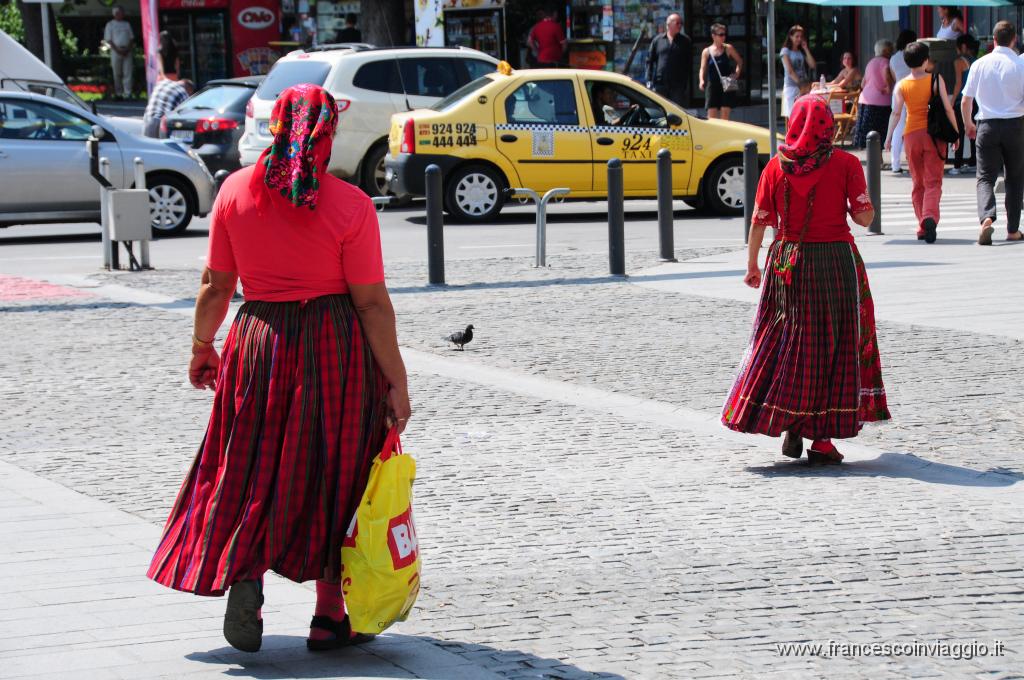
(930, 128)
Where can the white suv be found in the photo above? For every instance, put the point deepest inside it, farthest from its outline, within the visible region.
(369, 85)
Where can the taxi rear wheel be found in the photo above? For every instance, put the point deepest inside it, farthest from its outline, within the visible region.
(723, 186)
(475, 193)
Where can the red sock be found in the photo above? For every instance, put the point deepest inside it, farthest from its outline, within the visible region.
(823, 445)
(329, 601)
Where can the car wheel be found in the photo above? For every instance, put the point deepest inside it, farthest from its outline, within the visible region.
(170, 206)
(372, 180)
(474, 193)
(723, 186)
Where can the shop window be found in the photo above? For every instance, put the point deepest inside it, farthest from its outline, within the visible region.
(544, 102)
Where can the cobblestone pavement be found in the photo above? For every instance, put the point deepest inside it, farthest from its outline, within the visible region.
(590, 539)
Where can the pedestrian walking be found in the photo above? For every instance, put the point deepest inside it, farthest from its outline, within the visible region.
(951, 23)
(167, 94)
(669, 60)
(875, 102)
(720, 69)
(812, 369)
(926, 156)
(309, 381)
(967, 52)
(797, 63)
(899, 69)
(120, 40)
(996, 82)
(546, 40)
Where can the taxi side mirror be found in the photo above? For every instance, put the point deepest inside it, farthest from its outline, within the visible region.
(673, 120)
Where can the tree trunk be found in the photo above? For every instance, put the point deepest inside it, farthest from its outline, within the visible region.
(383, 22)
(31, 17)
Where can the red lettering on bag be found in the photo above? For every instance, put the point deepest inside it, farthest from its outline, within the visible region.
(402, 541)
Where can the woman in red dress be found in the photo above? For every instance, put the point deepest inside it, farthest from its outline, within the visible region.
(812, 368)
(308, 382)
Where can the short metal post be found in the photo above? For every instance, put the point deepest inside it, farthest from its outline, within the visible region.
(750, 177)
(140, 183)
(110, 255)
(666, 240)
(616, 220)
(435, 226)
(874, 172)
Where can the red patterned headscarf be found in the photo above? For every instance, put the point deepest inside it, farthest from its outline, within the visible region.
(303, 123)
(808, 143)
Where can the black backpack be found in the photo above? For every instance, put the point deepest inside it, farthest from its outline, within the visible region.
(939, 126)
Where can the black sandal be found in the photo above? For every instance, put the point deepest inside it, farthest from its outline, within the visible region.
(342, 631)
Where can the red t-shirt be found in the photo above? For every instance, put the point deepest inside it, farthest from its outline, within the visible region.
(284, 253)
(549, 37)
(840, 190)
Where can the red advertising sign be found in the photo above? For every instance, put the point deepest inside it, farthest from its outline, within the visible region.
(254, 24)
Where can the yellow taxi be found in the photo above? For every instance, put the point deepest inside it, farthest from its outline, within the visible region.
(546, 128)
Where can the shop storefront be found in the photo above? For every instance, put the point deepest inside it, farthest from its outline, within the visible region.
(479, 24)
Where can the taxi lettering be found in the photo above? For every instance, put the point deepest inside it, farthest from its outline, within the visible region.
(636, 146)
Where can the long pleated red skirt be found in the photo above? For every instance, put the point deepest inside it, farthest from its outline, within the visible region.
(812, 366)
(298, 416)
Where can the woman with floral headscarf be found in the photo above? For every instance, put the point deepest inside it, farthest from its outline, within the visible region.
(307, 384)
(812, 368)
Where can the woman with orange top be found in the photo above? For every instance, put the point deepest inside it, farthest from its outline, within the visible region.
(925, 155)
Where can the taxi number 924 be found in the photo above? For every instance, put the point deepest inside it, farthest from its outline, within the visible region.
(453, 134)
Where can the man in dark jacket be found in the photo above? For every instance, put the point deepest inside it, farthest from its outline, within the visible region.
(669, 61)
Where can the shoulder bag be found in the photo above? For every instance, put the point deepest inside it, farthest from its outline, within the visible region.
(729, 84)
(939, 127)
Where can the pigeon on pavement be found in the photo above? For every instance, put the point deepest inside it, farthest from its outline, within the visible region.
(461, 338)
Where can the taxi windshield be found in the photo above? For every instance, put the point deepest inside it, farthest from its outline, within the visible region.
(466, 89)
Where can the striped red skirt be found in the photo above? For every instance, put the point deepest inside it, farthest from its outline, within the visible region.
(298, 416)
(812, 366)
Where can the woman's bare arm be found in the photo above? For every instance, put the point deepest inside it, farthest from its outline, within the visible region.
(215, 292)
(737, 59)
(756, 237)
(864, 218)
(377, 316)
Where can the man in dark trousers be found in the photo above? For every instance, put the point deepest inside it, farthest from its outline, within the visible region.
(996, 81)
(669, 61)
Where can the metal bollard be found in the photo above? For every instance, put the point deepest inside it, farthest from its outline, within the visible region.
(542, 218)
(874, 172)
(616, 220)
(110, 255)
(435, 226)
(140, 183)
(666, 237)
(750, 176)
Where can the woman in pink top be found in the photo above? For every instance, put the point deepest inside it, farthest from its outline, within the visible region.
(875, 102)
(309, 380)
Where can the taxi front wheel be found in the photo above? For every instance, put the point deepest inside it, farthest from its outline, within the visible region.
(723, 186)
(474, 193)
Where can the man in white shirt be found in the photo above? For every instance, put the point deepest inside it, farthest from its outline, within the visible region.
(120, 39)
(997, 82)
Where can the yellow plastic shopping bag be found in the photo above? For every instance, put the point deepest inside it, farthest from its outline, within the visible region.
(380, 557)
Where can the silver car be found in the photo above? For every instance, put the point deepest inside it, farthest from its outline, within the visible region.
(44, 167)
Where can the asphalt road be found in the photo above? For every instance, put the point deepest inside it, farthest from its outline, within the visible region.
(573, 228)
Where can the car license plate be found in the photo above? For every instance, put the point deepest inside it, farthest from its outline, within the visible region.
(264, 128)
(183, 135)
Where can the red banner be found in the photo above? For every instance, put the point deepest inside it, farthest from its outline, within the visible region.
(150, 41)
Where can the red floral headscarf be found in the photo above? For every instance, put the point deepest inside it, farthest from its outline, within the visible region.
(808, 143)
(303, 123)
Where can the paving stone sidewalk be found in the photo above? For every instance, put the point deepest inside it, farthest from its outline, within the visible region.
(563, 538)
